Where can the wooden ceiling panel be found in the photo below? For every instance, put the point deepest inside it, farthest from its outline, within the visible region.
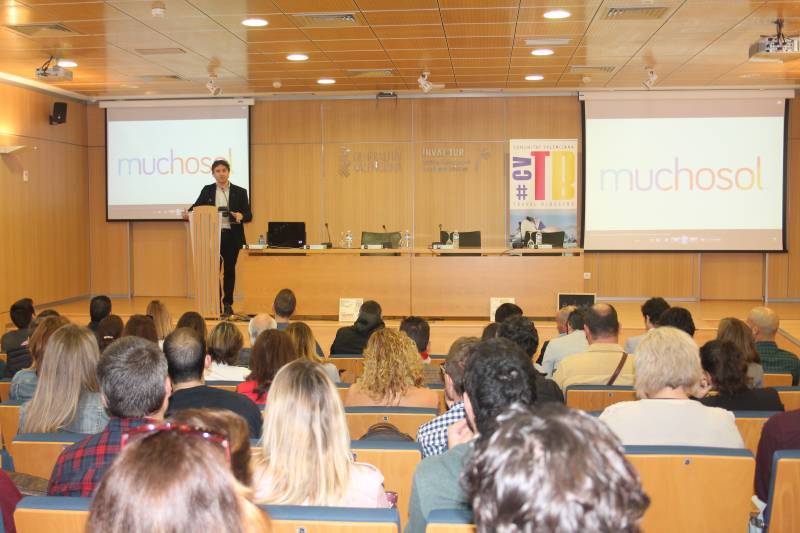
(143, 10)
(284, 47)
(483, 62)
(479, 30)
(479, 16)
(435, 53)
(391, 5)
(403, 18)
(480, 52)
(539, 69)
(433, 44)
(362, 55)
(479, 71)
(579, 13)
(72, 12)
(315, 6)
(552, 29)
(422, 63)
(350, 44)
(236, 7)
(408, 32)
(478, 4)
(336, 34)
(479, 42)
(234, 23)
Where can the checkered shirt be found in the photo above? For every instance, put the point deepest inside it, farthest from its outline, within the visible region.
(81, 466)
(775, 360)
(432, 436)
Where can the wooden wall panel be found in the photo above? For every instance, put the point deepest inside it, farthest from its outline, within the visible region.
(161, 261)
(645, 275)
(547, 117)
(460, 119)
(286, 122)
(732, 276)
(366, 120)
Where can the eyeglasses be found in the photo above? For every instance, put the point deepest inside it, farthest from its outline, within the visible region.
(150, 429)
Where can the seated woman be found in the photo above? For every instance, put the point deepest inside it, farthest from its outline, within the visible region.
(140, 326)
(351, 340)
(392, 374)
(668, 371)
(273, 349)
(174, 478)
(224, 345)
(739, 333)
(306, 347)
(67, 397)
(23, 384)
(725, 372)
(161, 318)
(305, 447)
(108, 330)
(194, 320)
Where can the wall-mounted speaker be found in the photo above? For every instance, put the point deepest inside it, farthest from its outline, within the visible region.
(59, 115)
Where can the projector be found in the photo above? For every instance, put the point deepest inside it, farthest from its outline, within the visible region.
(53, 74)
(776, 48)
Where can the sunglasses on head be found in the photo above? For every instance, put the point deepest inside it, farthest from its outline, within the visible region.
(147, 430)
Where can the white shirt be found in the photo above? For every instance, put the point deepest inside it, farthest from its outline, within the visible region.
(221, 200)
(632, 343)
(672, 423)
(561, 347)
(223, 372)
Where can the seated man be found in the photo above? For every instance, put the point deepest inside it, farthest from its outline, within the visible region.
(419, 331)
(497, 374)
(135, 387)
(15, 343)
(187, 360)
(552, 469)
(678, 317)
(764, 323)
(284, 306)
(506, 310)
(780, 432)
(351, 340)
(432, 436)
(651, 312)
(561, 326)
(605, 362)
(260, 322)
(99, 308)
(571, 343)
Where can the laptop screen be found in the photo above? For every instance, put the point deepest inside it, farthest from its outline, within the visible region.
(286, 234)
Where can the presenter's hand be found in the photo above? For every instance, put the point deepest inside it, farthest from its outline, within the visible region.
(459, 433)
(238, 216)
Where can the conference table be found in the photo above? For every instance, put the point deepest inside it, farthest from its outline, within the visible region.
(448, 283)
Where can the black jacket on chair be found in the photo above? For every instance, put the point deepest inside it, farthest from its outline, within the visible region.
(237, 201)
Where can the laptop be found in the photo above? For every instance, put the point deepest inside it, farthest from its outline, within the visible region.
(286, 234)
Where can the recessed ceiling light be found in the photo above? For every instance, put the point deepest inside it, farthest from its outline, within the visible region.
(557, 14)
(254, 22)
(542, 52)
(326, 81)
(534, 77)
(297, 57)
(67, 63)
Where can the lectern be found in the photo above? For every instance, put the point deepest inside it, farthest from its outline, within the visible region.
(204, 230)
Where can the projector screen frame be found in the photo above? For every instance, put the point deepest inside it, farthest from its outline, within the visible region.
(249, 167)
(784, 248)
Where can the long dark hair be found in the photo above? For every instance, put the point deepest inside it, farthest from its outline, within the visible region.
(726, 364)
(271, 351)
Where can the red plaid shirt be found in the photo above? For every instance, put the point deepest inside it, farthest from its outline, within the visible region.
(81, 466)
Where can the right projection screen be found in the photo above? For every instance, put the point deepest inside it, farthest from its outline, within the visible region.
(682, 171)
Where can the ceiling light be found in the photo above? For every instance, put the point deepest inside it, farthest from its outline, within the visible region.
(326, 81)
(67, 63)
(534, 77)
(297, 57)
(254, 22)
(557, 14)
(542, 52)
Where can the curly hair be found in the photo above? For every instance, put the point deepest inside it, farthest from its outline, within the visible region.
(726, 364)
(391, 365)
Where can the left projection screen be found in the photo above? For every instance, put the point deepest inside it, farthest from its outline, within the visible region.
(159, 157)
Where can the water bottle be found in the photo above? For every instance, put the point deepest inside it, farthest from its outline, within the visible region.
(407, 239)
(348, 239)
(456, 239)
(261, 239)
(532, 243)
(538, 239)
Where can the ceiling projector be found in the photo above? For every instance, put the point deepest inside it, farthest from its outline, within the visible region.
(776, 48)
(54, 73)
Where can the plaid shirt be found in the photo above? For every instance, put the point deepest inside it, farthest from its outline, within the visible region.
(81, 466)
(432, 436)
(775, 360)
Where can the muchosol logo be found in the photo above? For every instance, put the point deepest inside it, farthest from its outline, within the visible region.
(168, 164)
(677, 178)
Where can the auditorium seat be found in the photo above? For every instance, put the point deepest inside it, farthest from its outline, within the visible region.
(41, 514)
(597, 397)
(224, 385)
(440, 393)
(5, 388)
(36, 453)
(406, 419)
(449, 521)
(342, 388)
(784, 492)
(354, 364)
(790, 397)
(750, 424)
(396, 461)
(773, 380)
(307, 519)
(9, 420)
(694, 489)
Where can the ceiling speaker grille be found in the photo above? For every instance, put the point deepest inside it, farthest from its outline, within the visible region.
(41, 30)
(590, 69)
(369, 73)
(636, 13)
(327, 20)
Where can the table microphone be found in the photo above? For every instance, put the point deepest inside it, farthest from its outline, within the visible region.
(384, 228)
(328, 244)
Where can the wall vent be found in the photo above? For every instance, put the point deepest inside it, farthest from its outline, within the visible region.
(369, 72)
(41, 30)
(327, 20)
(636, 13)
(591, 69)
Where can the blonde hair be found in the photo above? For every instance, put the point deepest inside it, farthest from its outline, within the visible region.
(225, 343)
(667, 357)
(306, 444)
(69, 368)
(392, 365)
(304, 342)
(41, 334)
(157, 310)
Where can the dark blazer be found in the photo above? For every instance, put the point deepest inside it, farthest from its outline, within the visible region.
(237, 201)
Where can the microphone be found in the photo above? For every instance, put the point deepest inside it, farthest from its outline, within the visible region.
(328, 244)
(384, 228)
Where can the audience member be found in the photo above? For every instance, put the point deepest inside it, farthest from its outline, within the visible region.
(186, 360)
(306, 458)
(352, 340)
(652, 310)
(678, 317)
(9, 498)
(668, 371)
(506, 310)
(725, 371)
(135, 389)
(780, 432)
(272, 351)
(605, 362)
(570, 344)
(764, 324)
(260, 322)
(497, 374)
(141, 326)
(195, 321)
(157, 310)
(419, 331)
(490, 331)
(306, 347)
(739, 333)
(284, 306)
(173, 478)
(562, 326)
(552, 470)
(23, 384)
(67, 397)
(392, 374)
(432, 436)
(229, 425)
(99, 308)
(15, 343)
(224, 344)
(522, 332)
(108, 330)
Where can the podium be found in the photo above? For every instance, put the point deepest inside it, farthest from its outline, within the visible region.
(205, 224)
